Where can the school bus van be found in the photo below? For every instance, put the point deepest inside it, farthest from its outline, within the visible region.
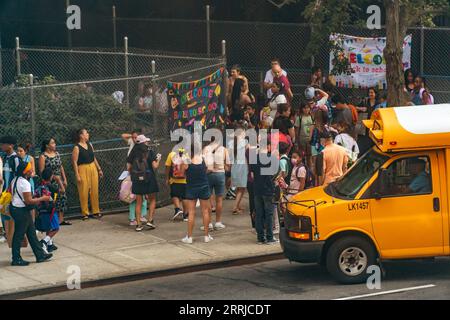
(393, 203)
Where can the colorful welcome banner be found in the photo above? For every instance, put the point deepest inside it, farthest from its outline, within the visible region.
(366, 66)
(200, 100)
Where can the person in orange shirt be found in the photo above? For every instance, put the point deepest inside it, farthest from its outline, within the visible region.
(335, 159)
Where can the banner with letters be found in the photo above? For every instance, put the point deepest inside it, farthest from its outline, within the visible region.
(357, 62)
(200, 100)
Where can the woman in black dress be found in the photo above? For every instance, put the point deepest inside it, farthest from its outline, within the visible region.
(142, 163)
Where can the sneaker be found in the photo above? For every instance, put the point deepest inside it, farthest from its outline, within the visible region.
(150, 225)
(261, 242)
(210, 227)
(187, 240)
(52, 247)
(2, 239)
(143, 219)
(20, 263)
(219, 226)
(178, 212)
(273, 241)
(44, 246)
(139, 228)
(208, 238)
(46, 257)
(276, 231)
(133, 223)
(185, 217)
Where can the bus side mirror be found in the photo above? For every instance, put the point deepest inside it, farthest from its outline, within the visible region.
(381, 183)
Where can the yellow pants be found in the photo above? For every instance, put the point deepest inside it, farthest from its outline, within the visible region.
(88, 186)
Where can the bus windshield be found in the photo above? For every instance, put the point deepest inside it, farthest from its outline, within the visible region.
(348, 186)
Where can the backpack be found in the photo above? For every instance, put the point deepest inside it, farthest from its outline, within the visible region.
(178, 170)
(140, 170)
(309, 179)
(125, 194)
(287, 179)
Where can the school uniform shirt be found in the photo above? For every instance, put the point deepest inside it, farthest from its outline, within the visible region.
(23, 185)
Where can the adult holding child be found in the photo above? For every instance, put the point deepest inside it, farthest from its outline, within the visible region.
(50, 158)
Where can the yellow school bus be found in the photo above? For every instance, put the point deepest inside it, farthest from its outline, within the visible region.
(393, 203)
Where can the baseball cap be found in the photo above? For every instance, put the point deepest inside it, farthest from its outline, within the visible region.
(142, 139)
(310, 93)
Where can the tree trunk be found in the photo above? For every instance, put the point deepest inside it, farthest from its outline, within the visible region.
(393, 53)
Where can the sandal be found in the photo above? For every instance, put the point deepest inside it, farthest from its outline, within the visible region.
(236, 212)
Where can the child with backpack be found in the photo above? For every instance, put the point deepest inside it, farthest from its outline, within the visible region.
(47, 219)
(298, 177)
(176, 179)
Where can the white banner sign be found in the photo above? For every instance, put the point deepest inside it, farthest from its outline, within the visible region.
(357, 62)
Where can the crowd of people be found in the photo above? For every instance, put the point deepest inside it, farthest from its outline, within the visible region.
(313, 143)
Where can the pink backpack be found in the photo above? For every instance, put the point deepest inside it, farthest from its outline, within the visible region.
(125, 194)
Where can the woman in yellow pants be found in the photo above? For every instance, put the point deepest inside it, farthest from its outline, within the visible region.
(87, 172)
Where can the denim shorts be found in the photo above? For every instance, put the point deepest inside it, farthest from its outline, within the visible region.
(198, 192)
(217, 183)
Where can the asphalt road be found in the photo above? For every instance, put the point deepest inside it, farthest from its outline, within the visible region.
(278, 280)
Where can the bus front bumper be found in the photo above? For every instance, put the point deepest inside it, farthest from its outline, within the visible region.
(301, 251)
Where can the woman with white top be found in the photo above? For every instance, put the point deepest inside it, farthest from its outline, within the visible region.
(217, 162)
(21, 213)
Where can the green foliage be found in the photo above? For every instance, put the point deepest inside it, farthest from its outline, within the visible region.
(60, 110)
(331, 16)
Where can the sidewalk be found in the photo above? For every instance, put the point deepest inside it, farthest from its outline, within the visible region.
(110, 248)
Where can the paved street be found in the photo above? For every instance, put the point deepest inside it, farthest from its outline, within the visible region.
(277, 280)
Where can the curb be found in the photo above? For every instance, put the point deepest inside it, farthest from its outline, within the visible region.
(146, 275)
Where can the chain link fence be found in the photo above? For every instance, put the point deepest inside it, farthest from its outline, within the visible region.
(34, 111)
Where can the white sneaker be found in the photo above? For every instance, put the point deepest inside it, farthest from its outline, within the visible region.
(187, 240)
(276, 231)
(208, 238)
(2, 239)
(210, 227)
(144, 219)
(219, 225)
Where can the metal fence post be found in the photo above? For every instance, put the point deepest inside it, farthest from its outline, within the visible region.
(154, 103)
(127, 89)
(224, 49)
(208, 32)
(18, 70)
(33, 112)
(422, 47)
(1, 65)
(69, 34)
(261, 82)
(114, 22)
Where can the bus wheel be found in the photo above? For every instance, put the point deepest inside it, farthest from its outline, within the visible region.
(348, 259)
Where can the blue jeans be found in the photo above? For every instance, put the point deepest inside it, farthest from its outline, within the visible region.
(264, 217)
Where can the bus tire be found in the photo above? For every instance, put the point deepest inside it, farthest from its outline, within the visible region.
(348, 258)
